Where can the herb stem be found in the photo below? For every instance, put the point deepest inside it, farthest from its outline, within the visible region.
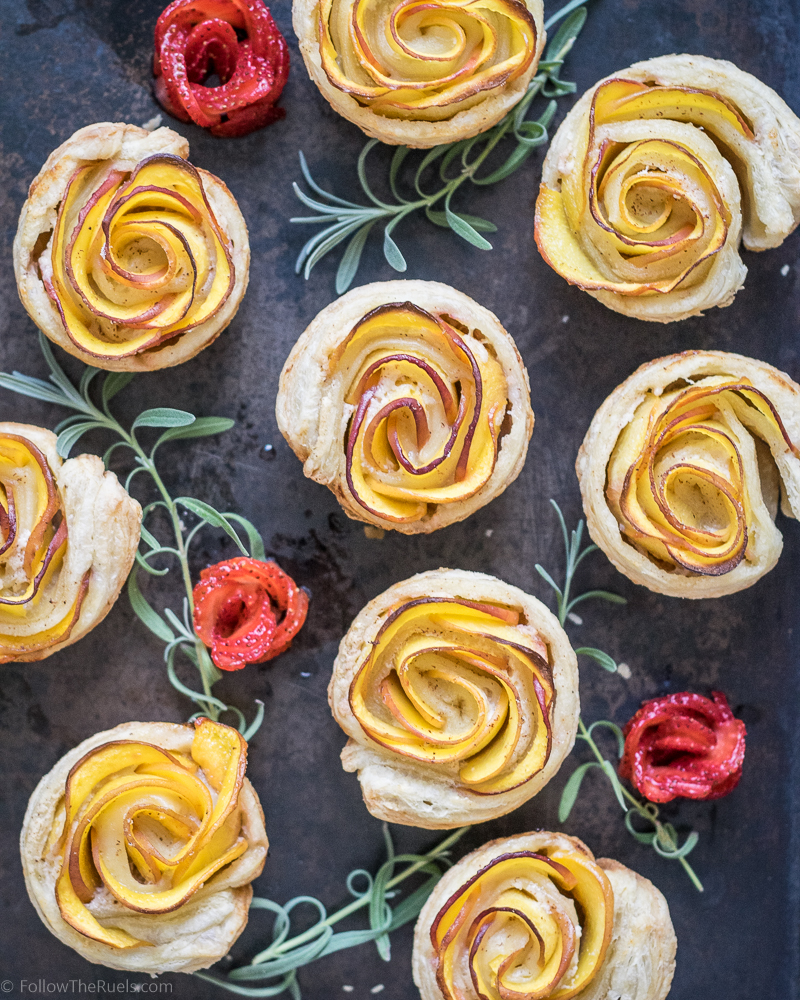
(181, 552)
(650, 815)
(361, 902)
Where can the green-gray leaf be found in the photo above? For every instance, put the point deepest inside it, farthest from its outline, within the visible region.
(463, 229)
(253, 536)
(144, 612)
(570, 794)
(481, 225)
(163, 416)
(200, 427)
(114, 383)
(606, 662)
(211, 516)
(348, 265)
(391, 251)
(69, 438)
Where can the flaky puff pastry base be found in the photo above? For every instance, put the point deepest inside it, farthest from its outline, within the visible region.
(192, 937)
(313, 417)
(401, 132)
(103, 524)
(783, 477)
(762, 194)
(400, 790)
(640, 961)
(125, 146)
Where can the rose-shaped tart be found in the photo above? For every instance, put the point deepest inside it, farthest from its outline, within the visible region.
(410, 401)
(684, 746)
(657, 174)
(68, 538)
(460, 697)
(126, 255)
(682, 468)
(140, 845)
(247, 611)
(536, 917)
(420, 74)
(195, 41)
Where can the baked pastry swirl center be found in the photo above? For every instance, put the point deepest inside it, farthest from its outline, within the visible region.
(424, 61)
(428, 412)
(645, 211)
(136, 258)
(38, 604)
(456, 682)
(682, 474)
(149, 825)
(527, 926)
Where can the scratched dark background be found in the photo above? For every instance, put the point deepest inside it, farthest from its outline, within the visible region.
(68, 63)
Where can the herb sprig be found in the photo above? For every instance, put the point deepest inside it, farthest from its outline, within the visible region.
(661, 836)
(458, 163)
(285, 955)
(173, 629)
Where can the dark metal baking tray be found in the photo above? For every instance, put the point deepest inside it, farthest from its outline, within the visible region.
(67, 63)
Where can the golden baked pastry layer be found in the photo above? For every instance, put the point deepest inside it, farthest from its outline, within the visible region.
(535, 915)
(420, 75)
(460, 697)
(682, 468)
(126, 255)
(655, 177)
(68, 538)
(156, 808)
(410, 402)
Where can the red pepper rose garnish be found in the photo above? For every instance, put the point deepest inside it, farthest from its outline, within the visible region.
(684, 746)
(195, 38)
(247, 611)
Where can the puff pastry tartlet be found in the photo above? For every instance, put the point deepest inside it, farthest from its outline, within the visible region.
(68, 538)
(460, 697)
(410, 401)
(657, 174)
(536, 916)
(140, 845)
(126, 255)
(682, 468)
(421, 74)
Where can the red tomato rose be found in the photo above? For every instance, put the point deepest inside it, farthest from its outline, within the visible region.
(684, 746)
(247, 611)
(239, 42)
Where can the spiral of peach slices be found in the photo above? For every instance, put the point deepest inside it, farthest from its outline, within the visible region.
(421, 73)
(68, 534)
(536, 917)
(145, 259)
(140, 846)
(415, 412)
(656, 175)
(694, 451)
(459, 694)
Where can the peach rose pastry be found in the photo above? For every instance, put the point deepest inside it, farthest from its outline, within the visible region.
(416, 74)
(459, 695)
(68, 538)
(410, 402)
(126, 255)
(140, 845)
(536, 917)
(658, 174)
(683, 467)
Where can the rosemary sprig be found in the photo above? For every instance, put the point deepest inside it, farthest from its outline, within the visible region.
(458, 163)
(661, 836)
(284, 956)
(176, 631)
